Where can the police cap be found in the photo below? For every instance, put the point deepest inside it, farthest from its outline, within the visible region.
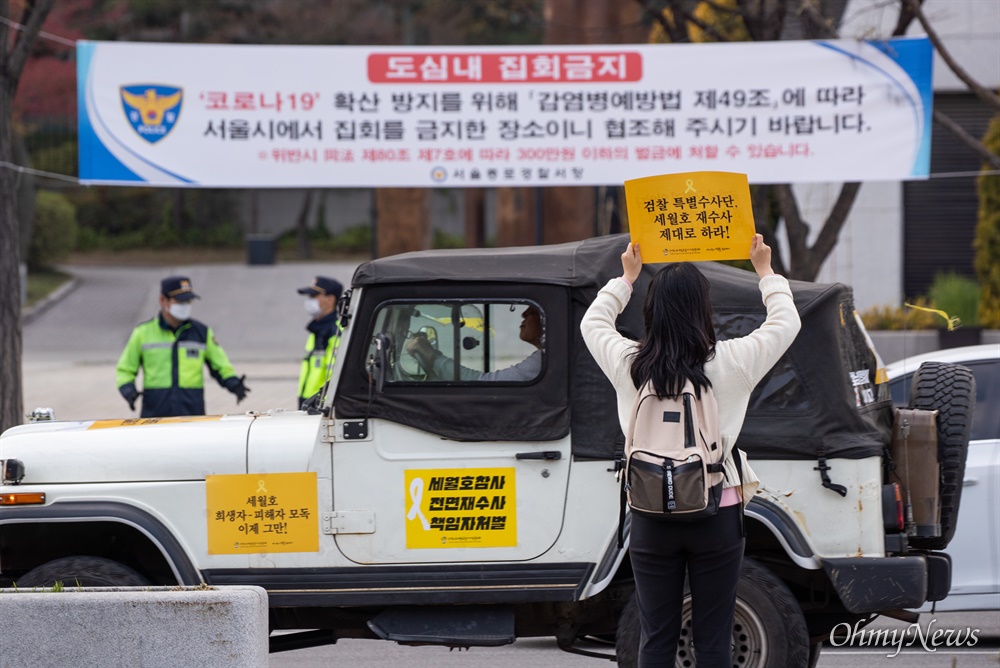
(322, 286)
(177, 287)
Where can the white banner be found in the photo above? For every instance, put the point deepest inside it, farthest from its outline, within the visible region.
(315, 116)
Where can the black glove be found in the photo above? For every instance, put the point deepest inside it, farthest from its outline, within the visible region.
(130, 393)
(236, 386)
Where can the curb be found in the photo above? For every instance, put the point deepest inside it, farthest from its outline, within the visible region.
(56, 296)
(124, 627)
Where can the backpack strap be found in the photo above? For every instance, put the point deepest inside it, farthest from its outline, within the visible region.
(621, 514)
(738, 460)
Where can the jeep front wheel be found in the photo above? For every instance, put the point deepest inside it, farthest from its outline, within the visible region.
(83, 572)
(769, 630)
(950, 390)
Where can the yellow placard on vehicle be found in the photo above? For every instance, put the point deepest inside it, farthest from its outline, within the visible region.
(691, 216)
(461, 508)
(262, 512)
(139, 422)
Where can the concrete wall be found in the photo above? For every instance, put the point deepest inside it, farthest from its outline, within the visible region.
(153, 627)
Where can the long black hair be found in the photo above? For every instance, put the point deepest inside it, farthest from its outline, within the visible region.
(679, 336)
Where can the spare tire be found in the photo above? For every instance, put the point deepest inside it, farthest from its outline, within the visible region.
(949, 389)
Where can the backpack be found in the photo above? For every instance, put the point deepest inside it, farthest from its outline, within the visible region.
(673, 456)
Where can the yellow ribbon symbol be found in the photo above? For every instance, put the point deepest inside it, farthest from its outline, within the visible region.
(416, 495)
(690, 186)
(260, 487)
(952, 322)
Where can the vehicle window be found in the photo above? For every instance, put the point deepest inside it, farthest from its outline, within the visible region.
(781, 389)
(462, 342)
(986, 417)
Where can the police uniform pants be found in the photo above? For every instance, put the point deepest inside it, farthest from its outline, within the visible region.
(711, 551)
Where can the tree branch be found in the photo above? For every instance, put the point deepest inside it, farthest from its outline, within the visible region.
(904, 19)
(982, 93)
(723, 9)
(808, 10)
(710, 30)
(4, 30)
(669, 28)
(35, 12)
(796, 229)
(767, 224)
(981, 150)
(828, 234)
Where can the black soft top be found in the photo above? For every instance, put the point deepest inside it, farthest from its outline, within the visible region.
(820, 400)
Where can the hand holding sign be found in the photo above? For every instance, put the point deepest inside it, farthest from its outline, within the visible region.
(691, 216)
(631, 263)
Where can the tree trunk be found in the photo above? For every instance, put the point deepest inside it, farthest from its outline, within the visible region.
(475, 217)
(516, 216)
(302, 225)
(403, 220)
(13, 55)
(11, 401)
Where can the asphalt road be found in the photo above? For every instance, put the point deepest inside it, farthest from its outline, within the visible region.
(543, 652)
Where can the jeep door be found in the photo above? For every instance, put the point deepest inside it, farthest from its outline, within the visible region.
(465, 452)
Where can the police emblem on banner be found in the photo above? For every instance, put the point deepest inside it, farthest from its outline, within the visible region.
(151, 109)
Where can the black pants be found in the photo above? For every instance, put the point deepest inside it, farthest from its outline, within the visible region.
(711, 551)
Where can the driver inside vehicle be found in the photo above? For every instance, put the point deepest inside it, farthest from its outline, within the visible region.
(441, 367)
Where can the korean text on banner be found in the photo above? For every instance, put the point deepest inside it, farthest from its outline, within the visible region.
(258, 512)
(461, 508)
(256, 116)
(691, 217)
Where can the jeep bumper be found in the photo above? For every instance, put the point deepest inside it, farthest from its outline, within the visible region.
(873, 584)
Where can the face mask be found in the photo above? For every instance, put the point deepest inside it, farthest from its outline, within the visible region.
(312, 306)
(181, 311)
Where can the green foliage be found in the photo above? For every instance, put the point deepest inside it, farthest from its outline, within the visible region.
(54, 231)
(119, 219)
(60, 159)
(444, 240)
(355, 240)
(987, 241)
(901, 317)
(958, 296)
(43, 282)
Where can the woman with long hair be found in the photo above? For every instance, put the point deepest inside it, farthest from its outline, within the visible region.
(679, 344)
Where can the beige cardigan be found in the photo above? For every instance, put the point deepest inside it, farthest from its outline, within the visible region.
(737, 367)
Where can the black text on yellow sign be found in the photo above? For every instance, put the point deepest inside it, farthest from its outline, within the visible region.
(461, 508)
(691, 216)
(257, 513)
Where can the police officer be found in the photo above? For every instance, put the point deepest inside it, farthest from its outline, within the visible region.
(171, 349)
(324, 334)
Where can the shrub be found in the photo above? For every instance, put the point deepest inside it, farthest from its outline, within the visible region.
(987, 242)
(54, 230)
(901, 317)
(957, 296)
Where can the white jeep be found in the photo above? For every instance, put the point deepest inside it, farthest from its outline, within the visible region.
(422, 506)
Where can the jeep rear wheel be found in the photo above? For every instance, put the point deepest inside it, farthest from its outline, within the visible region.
(950, 390)
(769, 630)
(82, 572)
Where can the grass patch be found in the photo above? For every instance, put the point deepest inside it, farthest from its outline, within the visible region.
(43, 282)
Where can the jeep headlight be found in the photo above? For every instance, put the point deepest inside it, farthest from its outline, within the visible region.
(11, 471)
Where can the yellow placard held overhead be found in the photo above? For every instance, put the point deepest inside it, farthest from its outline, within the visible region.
(262, 512)
(691, 216)
(460, 508)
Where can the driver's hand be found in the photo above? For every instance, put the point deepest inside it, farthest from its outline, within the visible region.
(418, 343)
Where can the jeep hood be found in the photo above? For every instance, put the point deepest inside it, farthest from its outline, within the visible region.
(136, 450)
